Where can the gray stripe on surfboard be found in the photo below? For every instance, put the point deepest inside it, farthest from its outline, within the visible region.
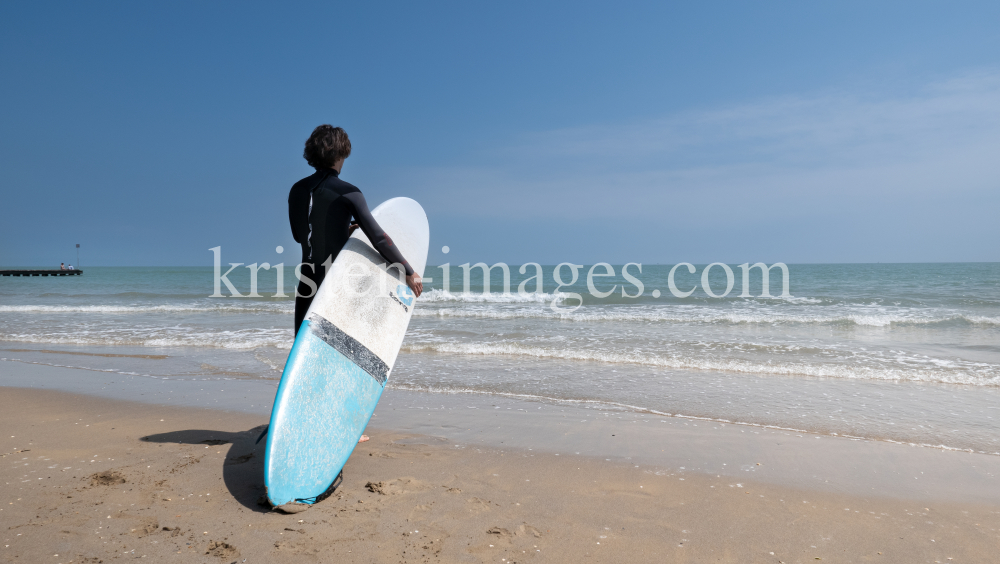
(349, 347)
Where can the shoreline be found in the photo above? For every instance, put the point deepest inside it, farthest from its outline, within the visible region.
(480, 397)
(935, 415)
(190, 491)
(671, 444)
(562, 428)
(615, 407)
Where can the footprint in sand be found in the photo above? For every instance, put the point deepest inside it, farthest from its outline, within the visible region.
(528, 530)
(500, 532)
(393, 487)
(418, 512)
(145, 528)
(477, 505)
(222, 550)
(107, 478)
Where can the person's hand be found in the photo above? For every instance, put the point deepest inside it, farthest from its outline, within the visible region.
(351, 229)
(413, 281)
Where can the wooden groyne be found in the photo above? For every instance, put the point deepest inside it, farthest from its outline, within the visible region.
(48, 272)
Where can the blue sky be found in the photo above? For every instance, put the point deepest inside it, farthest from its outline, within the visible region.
(549, 132)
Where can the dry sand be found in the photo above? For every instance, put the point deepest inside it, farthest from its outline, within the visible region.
(97, 480)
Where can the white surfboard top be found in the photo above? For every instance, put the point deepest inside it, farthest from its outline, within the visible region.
(364, 299)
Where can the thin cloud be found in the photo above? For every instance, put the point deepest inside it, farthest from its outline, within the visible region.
(764, 157)
(789, 128)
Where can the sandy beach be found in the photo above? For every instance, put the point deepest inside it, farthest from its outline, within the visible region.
(90, 479)
(659, 282)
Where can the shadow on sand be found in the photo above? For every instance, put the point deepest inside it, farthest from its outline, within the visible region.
(243, 470)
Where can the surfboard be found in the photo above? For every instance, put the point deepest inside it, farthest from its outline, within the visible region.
(341, 359)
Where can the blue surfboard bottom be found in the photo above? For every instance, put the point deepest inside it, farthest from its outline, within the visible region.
(323, 404)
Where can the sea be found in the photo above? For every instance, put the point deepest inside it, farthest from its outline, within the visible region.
(908, 353)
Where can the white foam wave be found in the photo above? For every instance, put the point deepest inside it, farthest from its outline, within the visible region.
(216, 376)
(977, 374)
(794, 299)
(243, 339)
(229, 307)
(708, 315)
(533, 306)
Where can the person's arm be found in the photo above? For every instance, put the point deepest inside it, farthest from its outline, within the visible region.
(381, 240)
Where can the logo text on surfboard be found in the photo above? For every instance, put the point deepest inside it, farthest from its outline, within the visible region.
(403, 296)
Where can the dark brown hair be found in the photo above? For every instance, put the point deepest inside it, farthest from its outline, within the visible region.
(326, 146)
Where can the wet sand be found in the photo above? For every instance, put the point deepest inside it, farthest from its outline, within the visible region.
(91, 479)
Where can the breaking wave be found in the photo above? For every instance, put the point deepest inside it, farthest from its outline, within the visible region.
(707, 315)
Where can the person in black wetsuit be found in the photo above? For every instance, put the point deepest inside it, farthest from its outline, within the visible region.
(320, 208)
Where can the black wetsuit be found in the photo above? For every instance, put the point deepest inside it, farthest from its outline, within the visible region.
(320, 208)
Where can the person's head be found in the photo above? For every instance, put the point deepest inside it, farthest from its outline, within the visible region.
(327, 147)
